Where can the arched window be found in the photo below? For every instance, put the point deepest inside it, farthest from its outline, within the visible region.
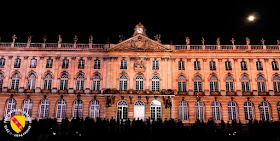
(229, 84)
(245, 83)
(11, 105)
(197, 82)
(264, 111)
(123, 83)
(232, 111)
(261, 84)
(44, 109)
(1, 80)
(139, 110)
(48, 82)
(64, 82)
(31, 81)
(155, 110)
(248, 110)
(278, 110)
(80, 82)
(214, 84)
(182, 84)
(96, 82)
(139, 83)
(122, 110)
(94, 109)
(199, 110)
(183, 110)
(216, 110)
(15, 81)
(78, 109)
(276, 84)
(155, 84)
(27, 106)
(61, 109)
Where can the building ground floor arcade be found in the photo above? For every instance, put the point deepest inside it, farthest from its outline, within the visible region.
(130, 106)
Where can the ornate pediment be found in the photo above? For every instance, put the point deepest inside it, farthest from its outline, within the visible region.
(139, 43)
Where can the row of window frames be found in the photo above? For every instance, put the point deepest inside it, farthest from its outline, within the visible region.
(140, 83)
(48, 82)
(232, 110)
(61, 108)
(228, 66)
(49, 63)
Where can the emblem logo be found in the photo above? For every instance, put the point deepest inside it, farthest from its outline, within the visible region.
(17, 123)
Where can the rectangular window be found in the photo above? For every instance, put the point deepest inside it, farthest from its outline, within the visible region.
(97, 64)
(2, 62)
(229, 87)
(123, 85)
(259, 65)
(213, 86)
(49, 63)
(47, 84)
(65, 63)
(17, 63)
(155, 86)
(181, 65)
(243, 65)
(228, 65)
(182, 87)
(139, 85)
(197, 87)
(96, 85)
(274, 65)
(276, 86)
(261, 86)
(212, 65)
(155, 65)
(63, 84)
(245, 87)
(81, 64)
(33, 63)
(123, 64)
(196, 65)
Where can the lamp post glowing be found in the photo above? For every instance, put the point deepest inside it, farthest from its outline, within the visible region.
(251, 18)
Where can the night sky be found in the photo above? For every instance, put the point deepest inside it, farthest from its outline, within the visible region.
(173, 20)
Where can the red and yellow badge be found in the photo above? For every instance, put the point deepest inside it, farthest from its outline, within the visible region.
(17, 123)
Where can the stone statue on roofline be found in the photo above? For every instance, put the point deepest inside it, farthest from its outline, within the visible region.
(218, 41)
(262, 40)
(188, 41)
(59, 39)
(247, 41)
(232, 41)
(14, 37)
(157, 38)
(90, 39)
(278, 42)
(75, 39)
(45, 39)
(203, 40)
(29, 39)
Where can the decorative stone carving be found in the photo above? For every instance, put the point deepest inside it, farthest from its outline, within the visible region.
(139, 66)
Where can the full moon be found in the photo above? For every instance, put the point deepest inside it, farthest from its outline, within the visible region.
(251, 18)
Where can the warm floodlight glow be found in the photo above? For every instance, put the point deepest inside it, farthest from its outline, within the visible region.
(251, 18)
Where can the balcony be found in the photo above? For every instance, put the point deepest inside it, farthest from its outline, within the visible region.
(199, 93)
(29, 91)
(231, 93)
(263, 94)
(12, 90)
(215, 93)
(62, 91)
(45, 91)
(95, 92)
(182, 93)
(247, 93)
(79, 91)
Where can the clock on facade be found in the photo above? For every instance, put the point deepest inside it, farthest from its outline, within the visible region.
(139, 30)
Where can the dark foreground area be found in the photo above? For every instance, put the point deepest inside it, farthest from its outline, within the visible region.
(105, 129)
